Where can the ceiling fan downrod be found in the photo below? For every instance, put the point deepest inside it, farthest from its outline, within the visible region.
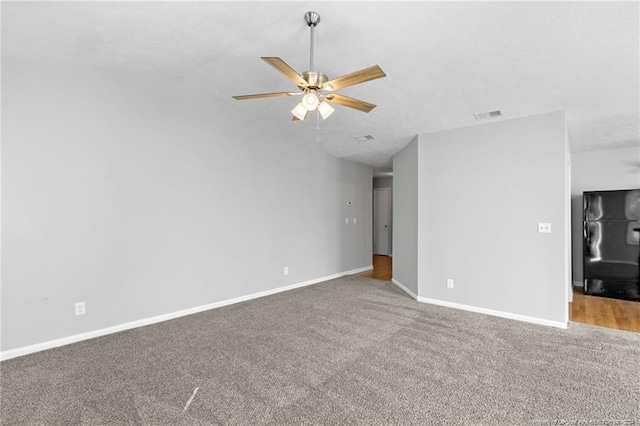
(312, 19)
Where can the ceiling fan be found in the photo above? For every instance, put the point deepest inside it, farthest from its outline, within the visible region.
(315, 87)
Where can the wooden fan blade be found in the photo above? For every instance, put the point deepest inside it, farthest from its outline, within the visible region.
(294, 118)
(265, 95)
(349, 102)
(356, 77)
(285, 69)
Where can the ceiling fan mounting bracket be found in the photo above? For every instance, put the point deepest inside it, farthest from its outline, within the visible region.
(312, 19)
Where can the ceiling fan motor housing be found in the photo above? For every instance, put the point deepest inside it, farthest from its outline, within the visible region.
(315, 80)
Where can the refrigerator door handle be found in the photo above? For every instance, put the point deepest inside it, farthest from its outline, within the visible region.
(585, 205)
(587, 238)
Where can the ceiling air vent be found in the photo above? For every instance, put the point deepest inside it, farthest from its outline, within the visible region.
(488, 115)
(365, 138)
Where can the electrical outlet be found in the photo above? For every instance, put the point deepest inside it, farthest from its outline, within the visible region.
(355, 220)
(80, 308)
(449, 283)
(286, 270)
(346, 220)
(544, 228)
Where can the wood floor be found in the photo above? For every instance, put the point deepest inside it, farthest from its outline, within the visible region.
(382, 268)
(605, 312)
(601, 311)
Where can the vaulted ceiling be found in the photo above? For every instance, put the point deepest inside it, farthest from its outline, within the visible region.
(444, 61)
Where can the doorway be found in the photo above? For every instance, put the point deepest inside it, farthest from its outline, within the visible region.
(381, 221)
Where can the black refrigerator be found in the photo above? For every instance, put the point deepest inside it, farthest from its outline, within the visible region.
(611, 244)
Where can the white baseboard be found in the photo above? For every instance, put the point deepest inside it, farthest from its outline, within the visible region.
(518, 317)
(354, 271)
(485, 311)
(26, 350)
(578, 284)
(403, 288)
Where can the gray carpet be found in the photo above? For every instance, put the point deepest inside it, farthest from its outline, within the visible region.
(347, 351)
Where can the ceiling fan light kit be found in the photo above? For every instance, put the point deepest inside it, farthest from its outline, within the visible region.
(325, 110)
(315, 87)
(310, 100)
(299, 112)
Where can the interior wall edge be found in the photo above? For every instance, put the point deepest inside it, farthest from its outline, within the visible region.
(404, 288)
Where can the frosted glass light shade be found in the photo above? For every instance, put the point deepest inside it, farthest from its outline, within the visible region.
(310, 101)
(325, 110)
(300, 112)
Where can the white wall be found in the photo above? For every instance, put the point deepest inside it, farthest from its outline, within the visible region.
(387, 182)
(596, 171)
(143, 195)
(482, 192)
(405, 219)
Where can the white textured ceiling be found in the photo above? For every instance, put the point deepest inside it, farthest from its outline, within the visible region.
(444, 60)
